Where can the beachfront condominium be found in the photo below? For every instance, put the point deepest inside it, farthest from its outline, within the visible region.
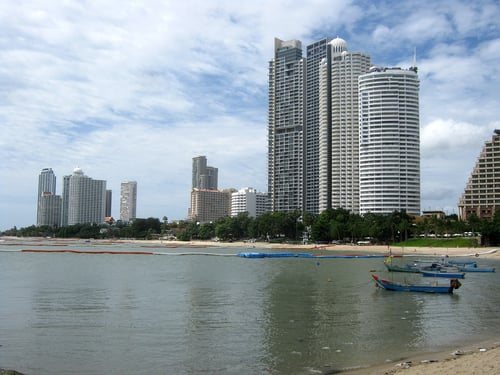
(286, 126)
(249, 200)
(316, 53)
(481, 196)
(84, 199)
(128, 200)
(339, 127)
(389, 141)
(204, 176)
(209, 205)
(314, 131)
(313, 126)
(48, 203)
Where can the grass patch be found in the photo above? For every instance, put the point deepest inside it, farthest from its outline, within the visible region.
(439, 242)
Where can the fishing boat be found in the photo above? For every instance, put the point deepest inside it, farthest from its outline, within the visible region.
(471, 263)
(411, 268)
(405, 268)
(476, 269)
(427, 288)
(443, 273)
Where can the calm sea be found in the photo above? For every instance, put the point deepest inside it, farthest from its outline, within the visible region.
(64, 313)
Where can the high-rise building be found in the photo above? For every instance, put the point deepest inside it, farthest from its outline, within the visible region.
(46, 182)
(286, 126)
(481, 196)
(49, 210)
(209, 205)
(84, 199)
(204, 177)
(389, 141)
(249, 200)
(314, 130)
(128, 201)
(317, 53)
(48, 203)
(109, 199)
(339, 127)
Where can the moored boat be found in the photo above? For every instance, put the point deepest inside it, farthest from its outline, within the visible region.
(476, 269)
(443, 273)
(405, 287)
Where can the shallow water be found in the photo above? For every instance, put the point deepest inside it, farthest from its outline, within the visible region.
(196, 314)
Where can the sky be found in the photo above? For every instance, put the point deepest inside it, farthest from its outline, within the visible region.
(133, 90)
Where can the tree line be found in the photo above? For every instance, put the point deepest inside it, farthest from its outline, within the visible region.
(332, 225)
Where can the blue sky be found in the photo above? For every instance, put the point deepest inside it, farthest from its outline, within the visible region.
(131, 90)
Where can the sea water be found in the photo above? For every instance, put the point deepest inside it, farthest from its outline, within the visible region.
(69, 313)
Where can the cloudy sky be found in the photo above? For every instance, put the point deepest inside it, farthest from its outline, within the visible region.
(133, 90)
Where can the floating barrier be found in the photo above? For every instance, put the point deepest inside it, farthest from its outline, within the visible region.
(246, 254)
(88, 252)
(112, 252)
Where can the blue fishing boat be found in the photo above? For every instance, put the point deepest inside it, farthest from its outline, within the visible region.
(427, 288)
(462, 263)
(476, 269)
(443, 273)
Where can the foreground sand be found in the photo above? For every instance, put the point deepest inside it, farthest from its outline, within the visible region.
(482, 359)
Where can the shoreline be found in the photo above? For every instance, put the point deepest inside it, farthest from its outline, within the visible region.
(396, 251)
(476, 358)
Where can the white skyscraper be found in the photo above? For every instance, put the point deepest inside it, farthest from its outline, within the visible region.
(339, 127)
(84, 199)
(128, 200)
(389, 141)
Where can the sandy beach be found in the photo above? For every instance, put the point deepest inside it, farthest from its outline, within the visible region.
(481, 359)
(479, 252)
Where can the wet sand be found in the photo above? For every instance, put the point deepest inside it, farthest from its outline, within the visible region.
(480, 359)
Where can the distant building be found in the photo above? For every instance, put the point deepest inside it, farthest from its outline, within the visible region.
(49, 210)
(128, 201)
(249, 200)
(84, 199)
(48, 203)
(389, 141)
(481, 196)
(436, 214)
(209, 205)
(109, 198)
(204, 177)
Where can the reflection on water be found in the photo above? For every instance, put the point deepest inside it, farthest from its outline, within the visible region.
(94, 314)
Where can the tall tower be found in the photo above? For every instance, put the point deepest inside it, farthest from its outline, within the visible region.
(286, 126)
(84, 199)
(389, 141)
(316, 53)
(128, 200)
(204, 177)
(339, 127)
(46, 182)
(48, 203)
